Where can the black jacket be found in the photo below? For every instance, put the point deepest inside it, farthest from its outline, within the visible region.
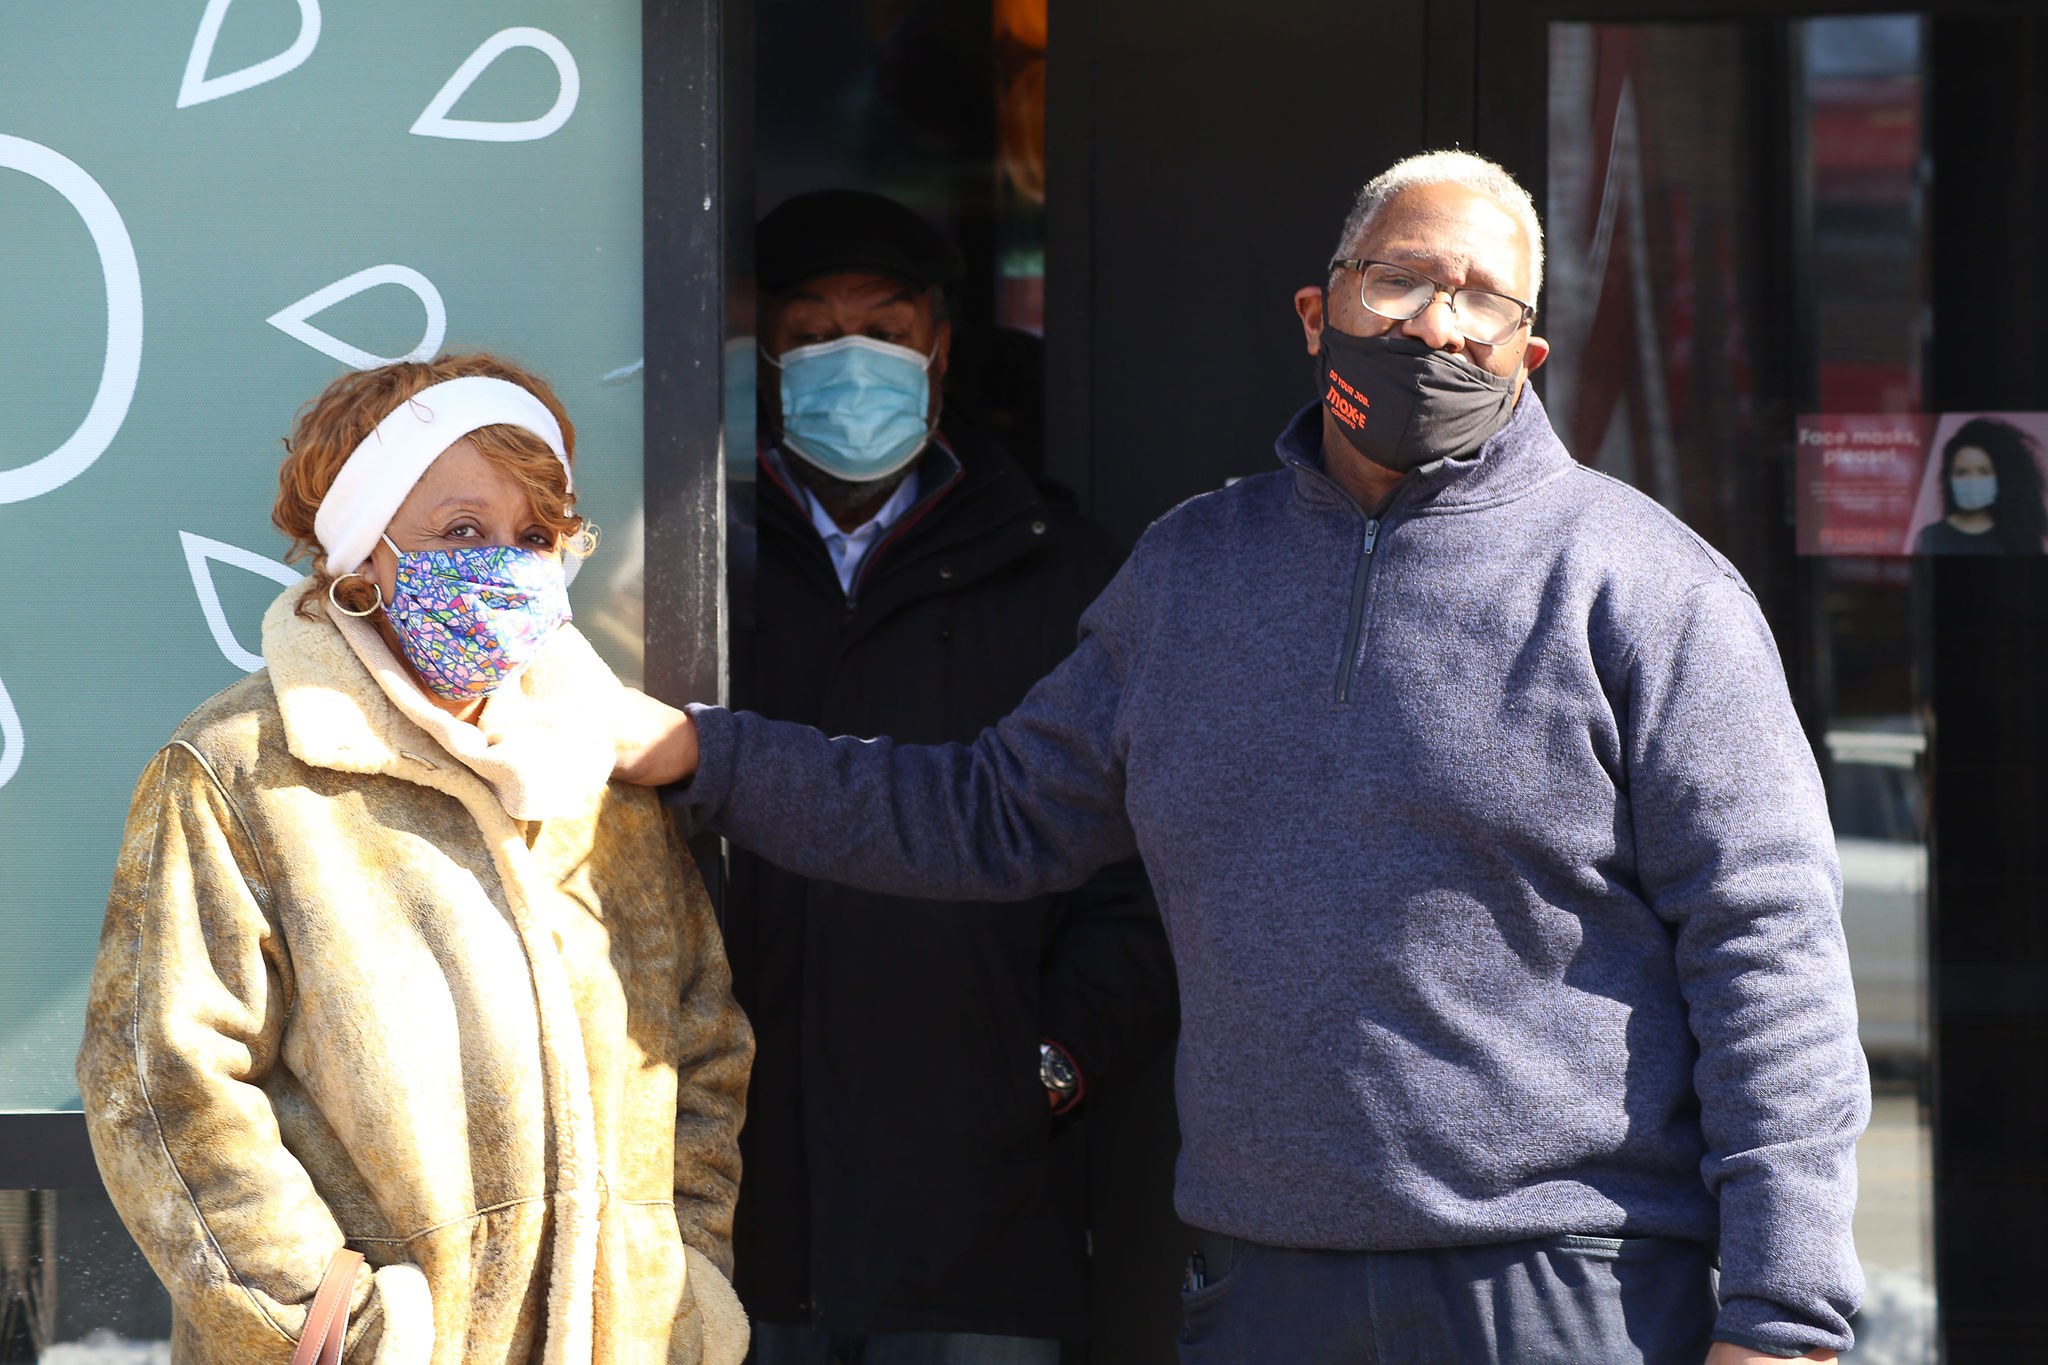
(903, 1170)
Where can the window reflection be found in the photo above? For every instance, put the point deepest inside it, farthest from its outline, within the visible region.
(1862, 114)
(1861, 121)
(1020, 134)
(1655, 269)
(1875, 797)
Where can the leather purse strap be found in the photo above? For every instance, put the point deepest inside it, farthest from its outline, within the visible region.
(327, 1319)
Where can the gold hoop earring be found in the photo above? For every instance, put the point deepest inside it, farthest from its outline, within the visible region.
(370, 610)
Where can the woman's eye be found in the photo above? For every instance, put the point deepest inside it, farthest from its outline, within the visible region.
(460, 532)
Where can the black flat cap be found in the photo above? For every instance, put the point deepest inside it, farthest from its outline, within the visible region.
(833, 231)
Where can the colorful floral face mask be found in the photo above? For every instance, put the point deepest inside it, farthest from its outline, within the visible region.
(472, 617)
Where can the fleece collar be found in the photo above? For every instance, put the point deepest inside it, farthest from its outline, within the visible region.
(1516, 460)
(543, 743)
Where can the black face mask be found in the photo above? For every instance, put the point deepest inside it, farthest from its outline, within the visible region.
(1403, 403)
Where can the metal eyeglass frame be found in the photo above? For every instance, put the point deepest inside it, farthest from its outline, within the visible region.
(1359, 263)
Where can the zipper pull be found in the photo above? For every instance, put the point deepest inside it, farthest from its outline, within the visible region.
(1372, 533)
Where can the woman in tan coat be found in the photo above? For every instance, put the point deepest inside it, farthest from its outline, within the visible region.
(391, 964)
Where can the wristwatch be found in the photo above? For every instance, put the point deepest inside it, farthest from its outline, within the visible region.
(1056, 1073)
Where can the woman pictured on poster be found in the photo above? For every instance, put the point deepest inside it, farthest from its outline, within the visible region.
(1990, 494)
(399, 997)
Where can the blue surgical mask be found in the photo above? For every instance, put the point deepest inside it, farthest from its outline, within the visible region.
(1974, 492)
(856, 407)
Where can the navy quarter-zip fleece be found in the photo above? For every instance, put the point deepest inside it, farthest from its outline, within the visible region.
(1497, 869)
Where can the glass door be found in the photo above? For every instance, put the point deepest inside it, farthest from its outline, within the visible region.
(1706, 304)
(1795, 295)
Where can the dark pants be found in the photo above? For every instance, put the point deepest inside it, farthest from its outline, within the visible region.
(1553, 1301)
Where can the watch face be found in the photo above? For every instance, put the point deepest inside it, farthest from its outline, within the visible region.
(1054, 1071)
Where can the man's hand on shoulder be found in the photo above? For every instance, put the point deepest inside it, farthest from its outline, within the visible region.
(1728, 1353)
(657, 744)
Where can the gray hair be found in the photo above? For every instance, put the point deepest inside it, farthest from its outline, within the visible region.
(1448, 168)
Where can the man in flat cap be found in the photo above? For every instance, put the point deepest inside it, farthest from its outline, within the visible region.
(913, 1190)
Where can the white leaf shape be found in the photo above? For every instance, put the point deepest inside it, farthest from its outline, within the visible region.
(124, 321)
(291, 319)
(199, 549)
(197, 87)
(10, 738)
(434, 120)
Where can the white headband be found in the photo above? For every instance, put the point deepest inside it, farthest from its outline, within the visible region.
(380, 472)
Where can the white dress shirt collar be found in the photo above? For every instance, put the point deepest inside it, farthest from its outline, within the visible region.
(849, 548)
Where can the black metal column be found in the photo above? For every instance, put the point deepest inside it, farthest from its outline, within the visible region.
(1987, 679)
(686, 249)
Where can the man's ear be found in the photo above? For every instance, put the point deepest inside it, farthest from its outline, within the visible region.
(942, 349)
(1308, 305)
(1534, 353)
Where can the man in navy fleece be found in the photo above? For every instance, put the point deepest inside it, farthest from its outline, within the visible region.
(1497, 869)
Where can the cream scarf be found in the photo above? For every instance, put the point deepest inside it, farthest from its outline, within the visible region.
(543, 743)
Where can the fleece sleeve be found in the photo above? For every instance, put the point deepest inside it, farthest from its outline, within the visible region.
(186, 1015)
(1736, 852)
(1033, 805)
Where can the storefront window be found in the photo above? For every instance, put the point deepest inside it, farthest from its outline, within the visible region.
(1706, 301)
(1860, 119)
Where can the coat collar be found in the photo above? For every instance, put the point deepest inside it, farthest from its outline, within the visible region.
(543, 744)
(975, 503)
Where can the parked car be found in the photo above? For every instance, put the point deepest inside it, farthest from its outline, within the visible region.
(1877, 801)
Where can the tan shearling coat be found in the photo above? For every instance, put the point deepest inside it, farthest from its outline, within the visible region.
(343, 996)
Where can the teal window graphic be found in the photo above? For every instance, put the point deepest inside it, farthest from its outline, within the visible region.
(209, 209)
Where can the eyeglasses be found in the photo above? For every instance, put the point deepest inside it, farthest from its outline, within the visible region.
(1399, 293)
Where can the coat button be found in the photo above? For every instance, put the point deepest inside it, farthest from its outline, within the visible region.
(946, 571)
(1037, 528)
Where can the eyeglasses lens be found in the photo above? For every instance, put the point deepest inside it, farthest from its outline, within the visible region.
(1486, 318)
(1392, 293)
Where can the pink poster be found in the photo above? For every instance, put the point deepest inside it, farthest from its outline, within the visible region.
(1907, 483)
